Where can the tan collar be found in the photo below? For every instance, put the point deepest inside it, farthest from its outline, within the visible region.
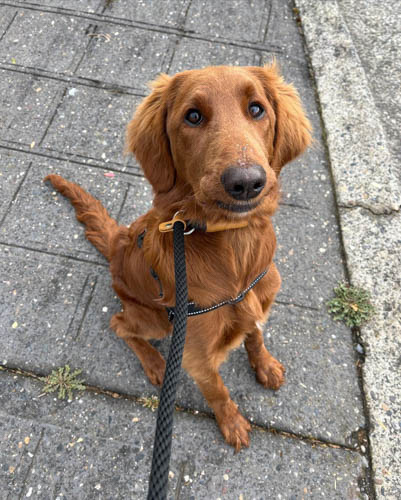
(167, 226)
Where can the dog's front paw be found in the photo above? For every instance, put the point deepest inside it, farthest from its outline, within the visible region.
(233, 425)
(155, 370)
(269, 372)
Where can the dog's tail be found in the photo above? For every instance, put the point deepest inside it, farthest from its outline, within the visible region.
(100, 227)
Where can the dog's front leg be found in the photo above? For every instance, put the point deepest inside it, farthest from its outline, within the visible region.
(203, 365)
(269, 372)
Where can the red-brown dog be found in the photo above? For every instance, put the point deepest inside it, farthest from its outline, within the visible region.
(212, 143)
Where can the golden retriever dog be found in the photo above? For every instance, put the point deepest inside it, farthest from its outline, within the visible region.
(211, 143)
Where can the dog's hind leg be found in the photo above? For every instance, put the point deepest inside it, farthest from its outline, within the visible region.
(151, 360)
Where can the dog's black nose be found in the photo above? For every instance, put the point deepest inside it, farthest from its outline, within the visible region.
(244, 183)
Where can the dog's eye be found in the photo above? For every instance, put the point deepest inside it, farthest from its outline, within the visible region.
(193, 117)
(256, 110)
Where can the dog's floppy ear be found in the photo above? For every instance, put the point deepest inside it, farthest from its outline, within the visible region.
(292, 133)
(147, 137)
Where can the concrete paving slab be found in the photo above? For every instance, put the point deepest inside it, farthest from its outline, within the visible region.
(45, 41)
(27, 104)
(153, 12)
(138, 200)
(303, 178)
(283, 32)
(46, 300)
(308, 255)
(372, 246)
(131, 56)
(191, 54)
(99, 447)
(358, 147)
(89, 6)
(41, 218)
(19, 441)
(238, 20)
(376, 35)
(75, 302)
(91, 122)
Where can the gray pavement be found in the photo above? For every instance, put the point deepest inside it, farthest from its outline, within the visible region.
(354, 49)
(71, 72)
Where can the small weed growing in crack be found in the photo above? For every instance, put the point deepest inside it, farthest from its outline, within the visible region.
(351, 305)
(64, 381)
(151, 402)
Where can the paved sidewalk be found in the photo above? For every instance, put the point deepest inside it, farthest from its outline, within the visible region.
(71, 73)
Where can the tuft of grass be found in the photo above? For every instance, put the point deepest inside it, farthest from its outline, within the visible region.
(151, 402)
(63, 380)
(351, 305)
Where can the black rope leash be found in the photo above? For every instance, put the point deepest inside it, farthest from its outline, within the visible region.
(158, 481)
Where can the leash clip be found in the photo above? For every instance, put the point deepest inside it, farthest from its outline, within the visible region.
(168, 226)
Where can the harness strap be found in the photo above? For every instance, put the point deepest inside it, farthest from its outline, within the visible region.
(194, 310)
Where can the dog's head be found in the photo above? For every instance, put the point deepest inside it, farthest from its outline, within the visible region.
(219, 136)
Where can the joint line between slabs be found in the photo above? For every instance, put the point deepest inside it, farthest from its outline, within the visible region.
(88, 303)
(72, 80)
(166, 30)
(8, 26)
(70, 159)
(93, 31)
(52, 118)
(267, 13)
(74, 314)
(53, 254)
(180, 481)
(24, 484)
(15, 194)
(123, 203)
(118, 395)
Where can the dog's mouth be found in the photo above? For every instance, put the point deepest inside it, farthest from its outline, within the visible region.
(239, 208)
(266, 203)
